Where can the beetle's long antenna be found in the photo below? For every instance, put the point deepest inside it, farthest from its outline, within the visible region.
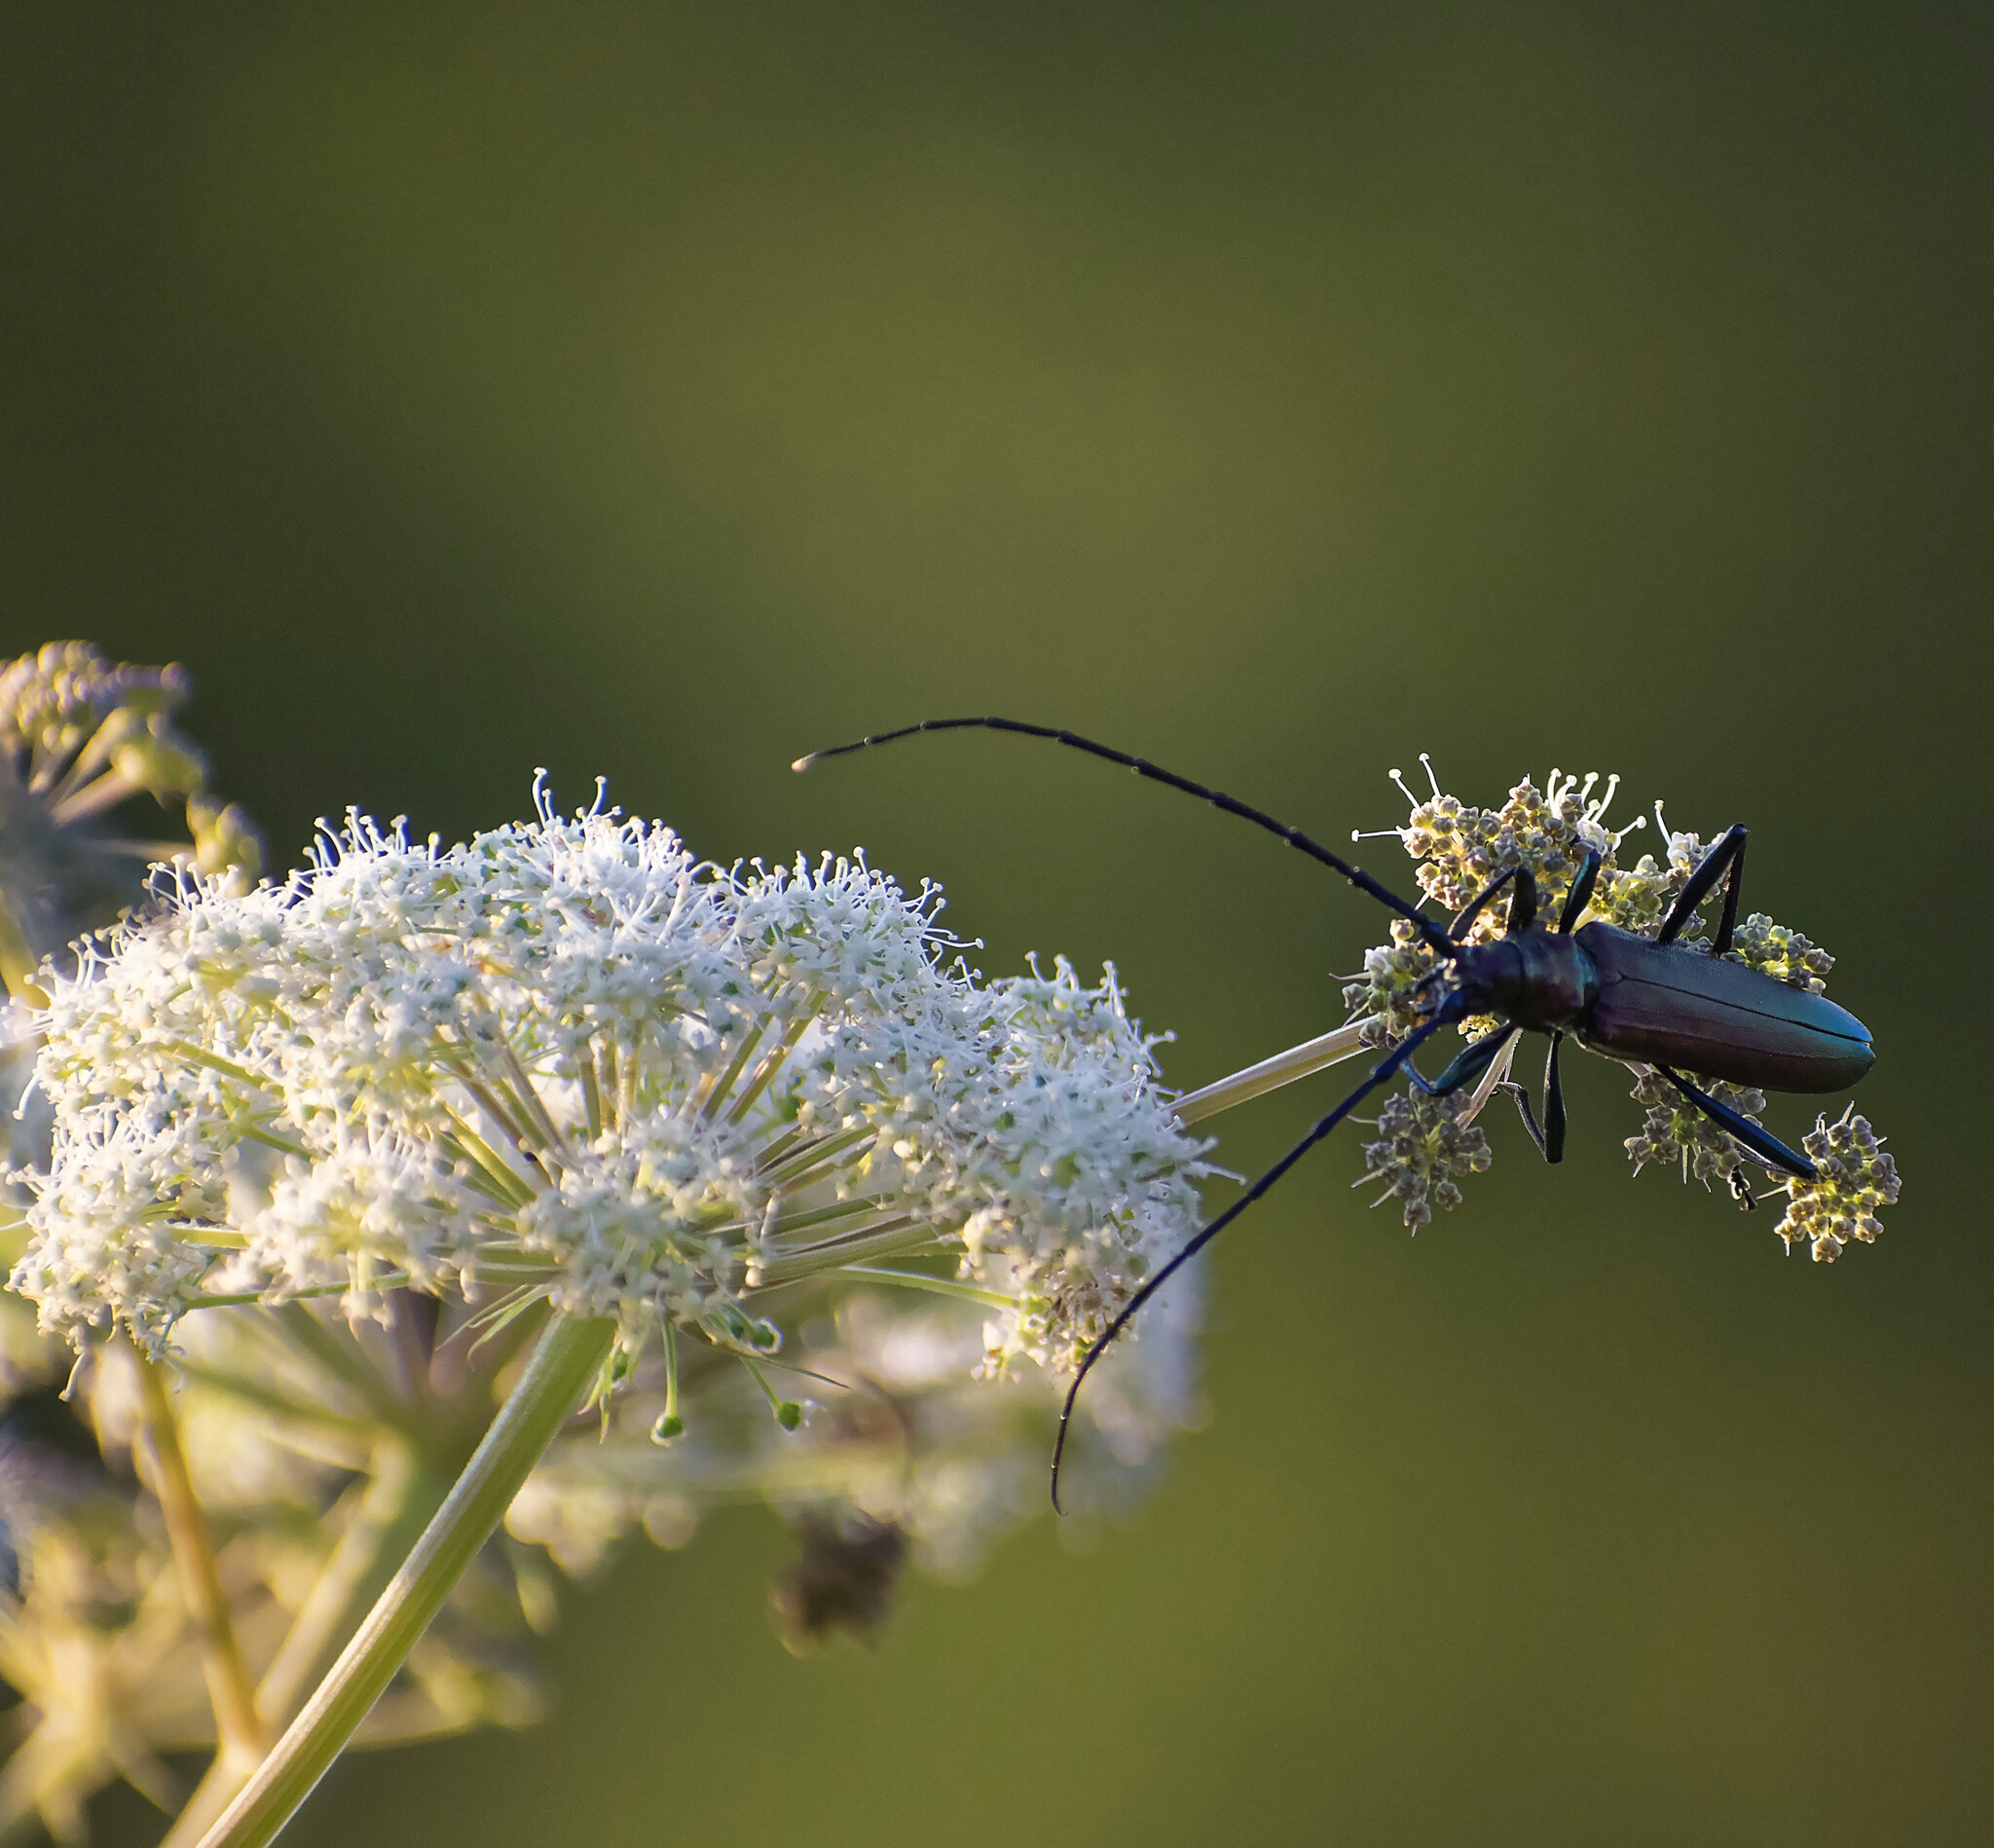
(1381, 1074)
(1434, 937)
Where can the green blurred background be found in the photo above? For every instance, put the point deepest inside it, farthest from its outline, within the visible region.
(664, 391)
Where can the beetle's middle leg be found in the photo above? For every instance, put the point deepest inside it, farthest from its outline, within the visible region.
(1553, 1144)
(1476, 1057)
(1550, 1140)
(1727, 855)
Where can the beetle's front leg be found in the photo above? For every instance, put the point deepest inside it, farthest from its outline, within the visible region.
(1470, 1063)
(1459, 929)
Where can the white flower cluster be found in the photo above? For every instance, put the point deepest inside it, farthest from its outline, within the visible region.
(567, 1060)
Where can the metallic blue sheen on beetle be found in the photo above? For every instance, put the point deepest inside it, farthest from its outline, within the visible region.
(1628, 998)
(1675, 1008)
(1649, 1000)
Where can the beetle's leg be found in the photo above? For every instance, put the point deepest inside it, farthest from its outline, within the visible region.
(1768, 1149)
(1470, 1063)
(1580, 894)
(1473, 908)
(1722, 943)
(1520, 1098)
(1727, 855)
(1554, 1106)
(1523, 901)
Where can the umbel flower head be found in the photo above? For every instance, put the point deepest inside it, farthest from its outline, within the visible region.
(79, 738)
(1422, 1143)
(1839, 1205)
(1457, 849)
(567, 1061)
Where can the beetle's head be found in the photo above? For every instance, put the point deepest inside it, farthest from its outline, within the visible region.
(1484, 979)
(1476, 980)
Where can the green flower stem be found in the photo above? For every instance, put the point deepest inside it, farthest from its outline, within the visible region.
(400, 1498)
(230, 1690)
(405, 1487)
(937, 1285)
(568, 1358)
(1270, 1074)
(891, 1238)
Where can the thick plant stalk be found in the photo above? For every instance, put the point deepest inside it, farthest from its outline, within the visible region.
(400, 1501)
(238, 1732)
(567, 1359)
(409, 1480)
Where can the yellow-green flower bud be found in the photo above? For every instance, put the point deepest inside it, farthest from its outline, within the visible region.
(225, 839)
(1839, 1205)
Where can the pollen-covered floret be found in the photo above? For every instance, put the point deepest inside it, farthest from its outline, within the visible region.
(1854, 1178)
(1423, 1145)
(1636, 898)
(1679, 1135)
(1386, 993)
(1460, 848)
(1785, 955)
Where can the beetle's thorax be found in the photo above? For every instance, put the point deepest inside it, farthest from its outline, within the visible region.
(1534, 978)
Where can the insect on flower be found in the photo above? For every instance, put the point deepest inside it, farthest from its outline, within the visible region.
(1564, 962)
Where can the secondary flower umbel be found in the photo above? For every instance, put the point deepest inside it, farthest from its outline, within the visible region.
(567, 1060)
(1457, 849)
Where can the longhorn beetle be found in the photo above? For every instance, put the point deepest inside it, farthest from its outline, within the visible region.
(1629, 997)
